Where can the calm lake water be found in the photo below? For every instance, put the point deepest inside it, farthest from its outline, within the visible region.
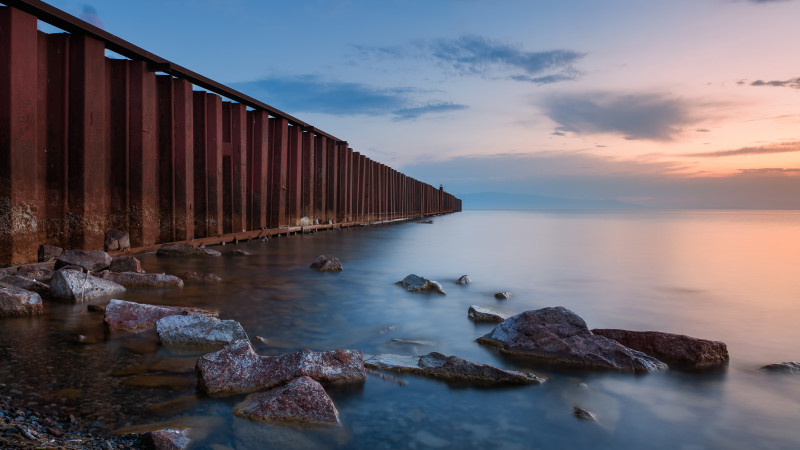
(732, 276)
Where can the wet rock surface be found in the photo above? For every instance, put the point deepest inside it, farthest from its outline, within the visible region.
(38, 273)
(792, 367)
(122, 315)
(452, 368)
(25, 283)
(199, 277)
(17, 302)
(559, 336)
(91, 260)
(117, 241)
(238, 369)
(324, 264)
(185, 249)
(70, 284)
(125, 263)
(48, 252)
(416, 283)
(463, 280)
(673, 349)
(133, 279)
(199, 330)
(301, 400)
(505, 295)
(481, 314)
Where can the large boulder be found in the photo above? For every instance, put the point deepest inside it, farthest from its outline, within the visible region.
(117, 241)
(123, 315)
(559, 336)
(416, 283)
(481, 314)
(303, 400)
(324, 264)
(75, 285)
(237, 368)
(25, 283)
(673, 349)
(451, 368)
(199, 330)
(125, 263)
(134, 279)
(16, 302)
(792, 367)
(91, 260)
(185, 249)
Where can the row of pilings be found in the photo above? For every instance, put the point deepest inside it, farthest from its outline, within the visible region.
(90, 143)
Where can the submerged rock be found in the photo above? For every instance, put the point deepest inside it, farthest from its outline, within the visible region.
(131, 279)
(792, 367)
(75, 285)
(451, 368)
(505, 295)
(25, 283)
(415, 283)
(463, 280)
(481, 314)
(583, 414)
(90, 260)
(185, 249)
(16, 302)
(122, 315)
(238, 369)
(194, 276)
(302, 400)
(198, 330)
(117, 241)
(673, 349)
(324, 264)
(125, 263)
(559, 336)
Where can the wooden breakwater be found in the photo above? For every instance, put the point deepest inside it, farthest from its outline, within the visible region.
(90, 143)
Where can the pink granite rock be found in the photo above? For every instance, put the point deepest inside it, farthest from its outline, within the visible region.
(238, 369)
(91, 260)
(122, 315)
(302, 400)
(16, 302)
(131, 279)
(125, 263)
(674, 349)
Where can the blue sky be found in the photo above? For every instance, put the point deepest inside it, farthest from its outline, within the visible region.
(658, 103)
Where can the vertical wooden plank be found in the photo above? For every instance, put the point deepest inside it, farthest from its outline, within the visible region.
(321, 186)
(41, 136)
(200, 137)
(144, 212)
(308, 176)
(258, 144)
(239, 167)
(214, 174)
(166, 157)
(227, 169)
(278, 149)
(19, 214)
(295, 176)
(333, 182)
(118, 81)
(362, 187)
(344, 182)
(183, 159)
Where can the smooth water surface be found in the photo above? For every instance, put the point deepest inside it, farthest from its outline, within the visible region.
(722, 275)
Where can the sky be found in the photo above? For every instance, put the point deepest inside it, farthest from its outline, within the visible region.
(660, 104)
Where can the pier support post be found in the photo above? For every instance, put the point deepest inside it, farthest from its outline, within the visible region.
(144, 208)
(278, 154)
(239, 167)
(295, 177)
(257, 158)
(184, 159)
(308, 176)
(321, 172)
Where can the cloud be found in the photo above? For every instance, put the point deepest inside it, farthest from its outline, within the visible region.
(768, 1)
(635, 116)
(703, 130)
(785, 147)
(310, 93)
(471, 55)
(89, 14)
(793, 83)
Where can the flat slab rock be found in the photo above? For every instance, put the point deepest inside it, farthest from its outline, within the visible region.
(452, 368)
(202, 277)
(302, 400)
(185, 249)
(135, 279)
(75, 285)
(559, 336)
(238, 369)
(91, 260)
(415, 283)
(199, 330)
(481, 314)
(673, 349)
(16, 302)
(792, 367)
(123, 315)
(29, 284)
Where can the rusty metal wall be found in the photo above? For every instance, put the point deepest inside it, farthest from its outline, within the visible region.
(89, 144)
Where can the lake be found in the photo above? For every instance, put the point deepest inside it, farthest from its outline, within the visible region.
(731, 276)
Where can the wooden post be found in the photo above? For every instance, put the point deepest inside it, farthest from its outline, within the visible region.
(257, 144)
(143, 176)
(321, 183)
(184, 159)
(278, 152)
(309, 176)
(294, 191)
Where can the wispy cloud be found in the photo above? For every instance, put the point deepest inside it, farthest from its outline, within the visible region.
(785, 147)
(635, 116)
(769, 1)
(311, 93)
(793, 83)
(471, 55)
